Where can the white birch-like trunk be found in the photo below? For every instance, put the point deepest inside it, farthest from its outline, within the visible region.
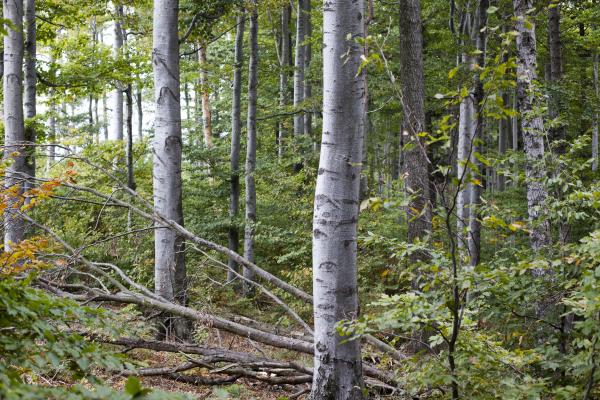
(234, 196)
(532, 124)
(251, 147)
(116, 122)
(14, 128)
(337, 361)
(170, 274)
(466, 133)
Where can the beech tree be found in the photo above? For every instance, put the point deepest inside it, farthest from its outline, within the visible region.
(170, 272)
(14, 128)
(416, 163)
(337, 361)
(532, 123)
(234, 196)
(251, 146)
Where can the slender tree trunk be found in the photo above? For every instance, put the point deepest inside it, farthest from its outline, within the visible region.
(504, 129)
(129, 143)
(206, 114)
(337, 360)
(556, 74)
(51, 139)
(413, 104)
(531, 123)
(234, 197)
(474, 239)
(14, 128)
(170, 274)
(116, 128)
(105, 116)
(251, 146)
(30, 88)
(307, 123)
(596, 116)
(140, 113)
(299, 68)
(284, 56)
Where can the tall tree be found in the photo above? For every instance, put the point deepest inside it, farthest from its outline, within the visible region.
(234, 196)
(14, 128)
(251, 145)
(284, 56)
(206, 113)
(480, 33)
(416, 163)
(169, 268)
(596, 115)
(307, 123)
(30, 85)
(140, 112)
(556, 71)
(532, 124)
(337, 361)
(299, 67)
(116, 128)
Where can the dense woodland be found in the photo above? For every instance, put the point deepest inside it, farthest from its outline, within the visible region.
(275, 199)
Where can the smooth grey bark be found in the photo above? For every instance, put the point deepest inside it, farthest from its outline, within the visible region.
(337, 361)
(206, 113)
(416, 165)
(596, 116)
(116, 127)
(30, 87)
(284, 56)
(170, 273)
(299, 68)
(14, 127)
(251, 148)
(531, 123)
(307, 123)
(140, 113)
(234, 195)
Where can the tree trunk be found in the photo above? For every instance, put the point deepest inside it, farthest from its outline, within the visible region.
(14, 128)
(307, 123)
(129, 143)
(531, 123)
(556, 74)
(337, 361)
(116, 128)
(504, 128)
(170, 273)
(105, 116)
(413, 103)
(299, 68)
(234, 196)
(596, 116)
(251, 147)
(284, 56)
(475, 188)
(206, 114)
(30, 88)
(140, 113)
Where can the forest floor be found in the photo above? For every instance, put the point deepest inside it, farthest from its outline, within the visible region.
(241, 389)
